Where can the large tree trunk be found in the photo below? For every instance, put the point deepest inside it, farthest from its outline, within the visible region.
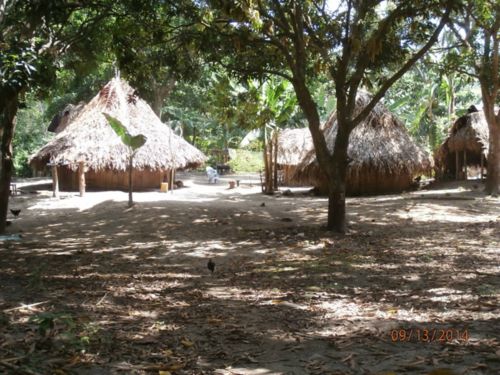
(337, 174)
(489, 78)
(493, 119)
(493, 171)
(161, 92)
(8, 124)
(333, 166)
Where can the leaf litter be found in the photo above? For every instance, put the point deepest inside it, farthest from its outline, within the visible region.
(285, 297)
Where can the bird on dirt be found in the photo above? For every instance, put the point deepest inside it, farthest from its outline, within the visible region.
(211, 265)
(263, 204)
(15, 212)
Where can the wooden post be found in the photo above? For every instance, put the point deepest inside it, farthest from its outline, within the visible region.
(456, 164)
(482, 165)
(81, 178)
(130, 182)
(172, 180)
(465, 164)
(55, 182)
(275, 161)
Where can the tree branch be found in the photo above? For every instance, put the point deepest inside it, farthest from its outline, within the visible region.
(417, 56)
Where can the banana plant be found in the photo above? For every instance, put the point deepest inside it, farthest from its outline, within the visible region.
(277, 104)
(133, 142)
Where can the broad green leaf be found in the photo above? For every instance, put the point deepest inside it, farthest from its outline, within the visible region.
(118, 127)
(134, 142)
(137, 141)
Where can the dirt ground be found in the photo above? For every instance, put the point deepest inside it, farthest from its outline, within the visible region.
(92, 287)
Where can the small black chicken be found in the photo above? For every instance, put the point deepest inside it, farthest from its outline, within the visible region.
(211, 265)
(15, 212)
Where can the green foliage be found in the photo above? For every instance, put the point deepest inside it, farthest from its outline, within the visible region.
(63, 328)
(217, 111)
(247, 161)
(71, 87)
(428, 101)
(46, 321)
(16, 68)
(31, 134)
(255, 145)
(133, 142)
(273, 102)
(152, 51)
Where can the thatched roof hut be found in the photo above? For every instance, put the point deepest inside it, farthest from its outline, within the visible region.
(89, 140)
(466, 145)
(293, 145)
(63, 118)
(383, 157)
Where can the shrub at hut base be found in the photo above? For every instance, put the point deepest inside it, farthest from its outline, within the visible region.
(247, 161)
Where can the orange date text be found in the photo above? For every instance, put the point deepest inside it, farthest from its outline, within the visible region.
(442, 335)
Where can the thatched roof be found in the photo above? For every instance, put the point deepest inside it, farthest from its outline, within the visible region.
(63, 118)
(90, 139)
(293, 145)
(380, 143)
(469, 132)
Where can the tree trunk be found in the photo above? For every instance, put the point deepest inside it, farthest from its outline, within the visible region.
(489, 78)
(275, 160)
(267, 167)
(130, 200)
(8, 125)
(193, 139)
(493, 168)
(493, 119)
(333, 166)
(337, 174)
(269, 171)
(161, 91)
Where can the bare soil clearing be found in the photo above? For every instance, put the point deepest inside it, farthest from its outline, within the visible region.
(95, 288)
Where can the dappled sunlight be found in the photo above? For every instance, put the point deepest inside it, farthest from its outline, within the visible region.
(427, 212)
(284, 293)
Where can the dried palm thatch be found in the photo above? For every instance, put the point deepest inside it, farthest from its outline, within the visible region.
(468, 136)
(63, 118)
(89, 139)
(293, 144)
(383, 157)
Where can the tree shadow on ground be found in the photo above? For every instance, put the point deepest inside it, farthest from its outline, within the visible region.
(286, 297)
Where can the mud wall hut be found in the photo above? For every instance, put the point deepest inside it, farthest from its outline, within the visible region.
(383, 157)
(466, 146)
(89, 150)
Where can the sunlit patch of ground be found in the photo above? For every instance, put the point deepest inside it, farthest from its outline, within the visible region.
(93, 287)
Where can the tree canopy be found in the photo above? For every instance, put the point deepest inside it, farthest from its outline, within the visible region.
(356, 44)
(212, 58)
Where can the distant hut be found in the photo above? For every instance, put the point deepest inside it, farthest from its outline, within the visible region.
(466, 146)
(382, 156)
(293, 145)
(88, 151)
(63, 118)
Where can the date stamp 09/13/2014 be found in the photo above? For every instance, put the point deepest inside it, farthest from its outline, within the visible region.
(428, 335)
